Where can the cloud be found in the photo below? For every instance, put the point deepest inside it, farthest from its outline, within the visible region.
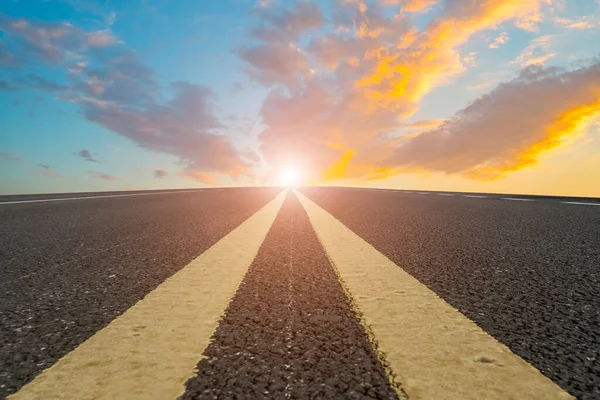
(46, 171)
(9, 156)
(536, 52)
(539, 60)
(183, 127)
(278, 59)
(40, 83)
(501, 39)
(481, 86)
(31, 81)
(101, 175)
(8, 86)
(361, 77)
(116, 90)
(585, 22)
(7, 57)
(470, 59)
(48, 42)
(529, 22)
(101, 39)
(412, 6)
(423, 124)
(159, 173)
(341, 83)
(87, 156)
(509, 128)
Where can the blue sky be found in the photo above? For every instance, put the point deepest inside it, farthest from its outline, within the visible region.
(452, 95)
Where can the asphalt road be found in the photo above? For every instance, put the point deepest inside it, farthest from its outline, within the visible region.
(67, 268)
(290, 332)
(525, 269)
(527, 272)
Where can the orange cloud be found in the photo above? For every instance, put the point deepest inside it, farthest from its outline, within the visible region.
(501, 39)
(426, 124)
(536, 52)
(585, 22)
(366, 77)
(412, 6)
(509, 128)
(199, 176)
(539, 60)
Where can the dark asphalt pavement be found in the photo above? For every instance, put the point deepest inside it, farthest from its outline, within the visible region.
(67, 268)
(527, 272)
(290, 332)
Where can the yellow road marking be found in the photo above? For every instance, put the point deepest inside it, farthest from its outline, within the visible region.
(433, 350)
(151, 350)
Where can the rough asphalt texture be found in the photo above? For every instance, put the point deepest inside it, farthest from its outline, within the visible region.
(290, 332)
(68, 268)
(528, 273)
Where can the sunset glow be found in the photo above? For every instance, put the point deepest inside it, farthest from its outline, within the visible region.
(492, 96)
(289, 176)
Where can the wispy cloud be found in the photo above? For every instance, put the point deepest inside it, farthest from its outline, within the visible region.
(9, 156)
(423, 124)
(481, 86)
(8, 59)
(51, 42)
(585, 22)
(159, 173)
(470, 59)
(102, 175)
(537, 52)
(8, 86)
(500, 40)
(45, 170)
(412, 6)
(87, 156)
(539, 59)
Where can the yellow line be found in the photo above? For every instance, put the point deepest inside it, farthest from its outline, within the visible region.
(151, 350)
(434, 351)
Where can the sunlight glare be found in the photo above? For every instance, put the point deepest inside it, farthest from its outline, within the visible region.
(290, 176)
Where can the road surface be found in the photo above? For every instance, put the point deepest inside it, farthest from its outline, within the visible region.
(249, 292)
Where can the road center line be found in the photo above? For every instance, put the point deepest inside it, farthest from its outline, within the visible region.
(434, 351)
(98, 197)
(515, 199)
(445, 194)
(475, 196)
(580, 203)
(151, 350)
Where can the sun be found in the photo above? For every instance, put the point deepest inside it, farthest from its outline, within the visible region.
(289, 176)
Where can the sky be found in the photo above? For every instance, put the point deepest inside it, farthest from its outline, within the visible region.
(498, 96)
